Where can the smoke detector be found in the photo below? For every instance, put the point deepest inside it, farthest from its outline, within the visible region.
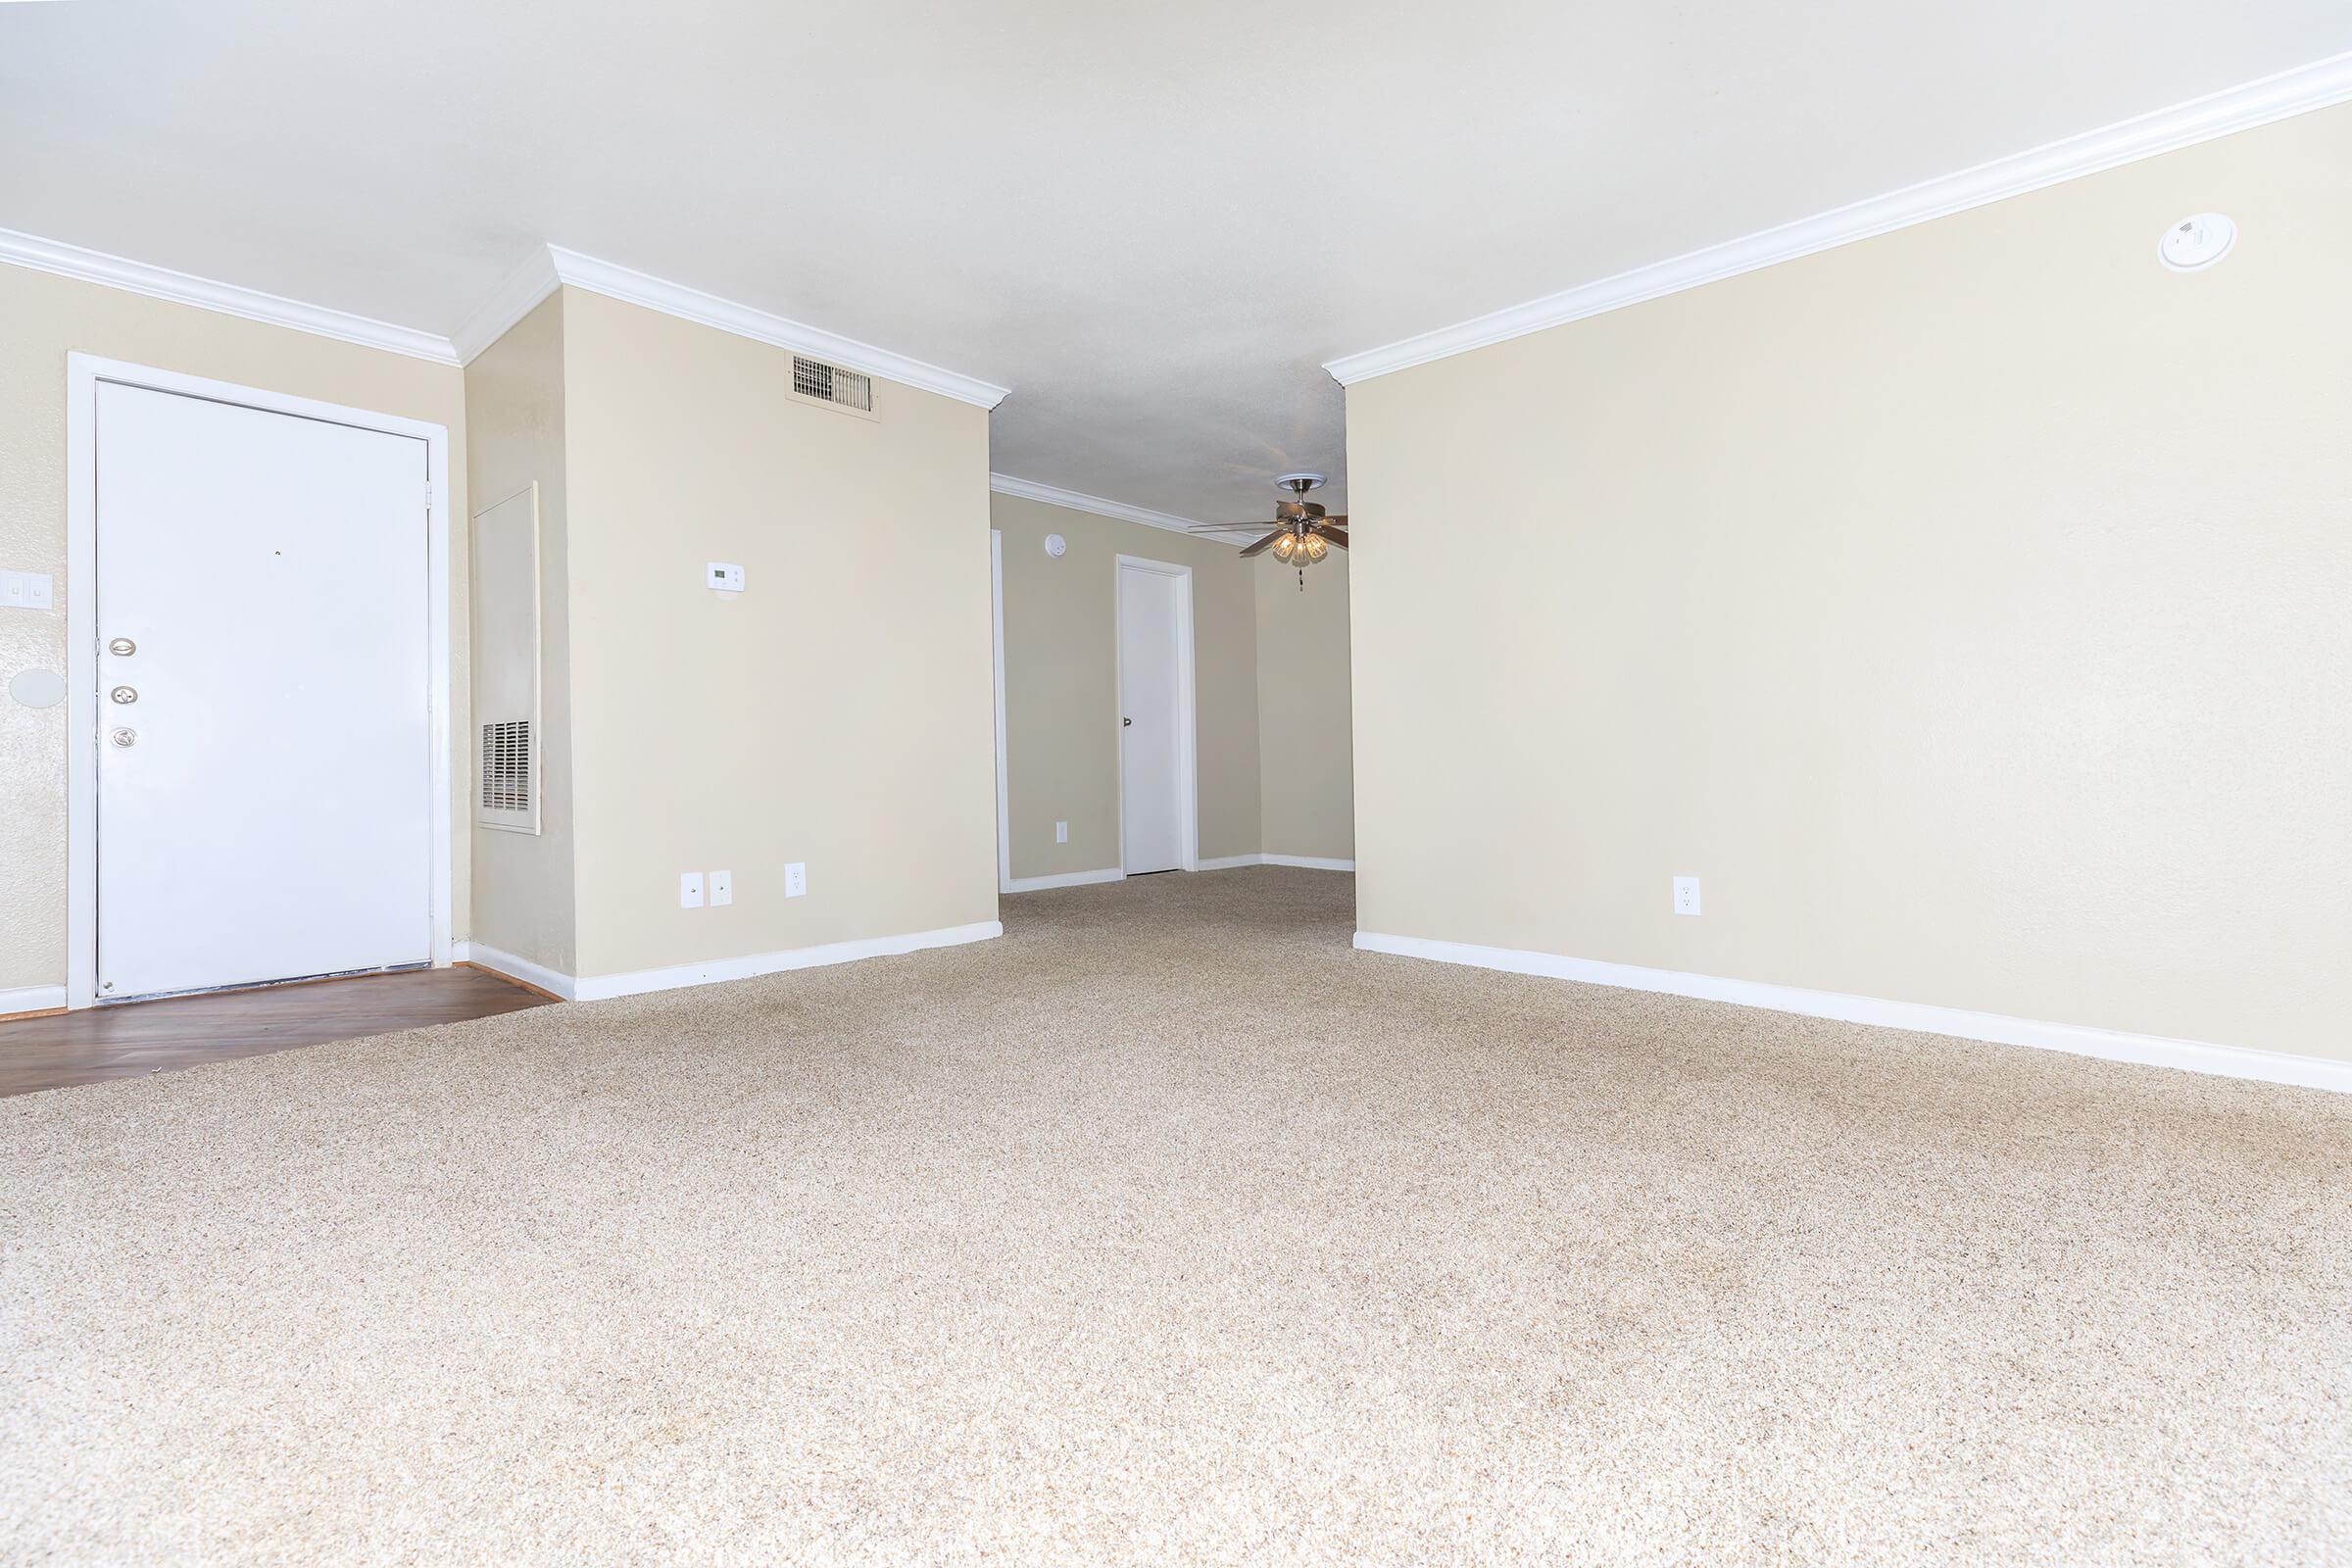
(2195, 243)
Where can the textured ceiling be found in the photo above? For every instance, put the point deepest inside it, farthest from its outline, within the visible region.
(1152, 223)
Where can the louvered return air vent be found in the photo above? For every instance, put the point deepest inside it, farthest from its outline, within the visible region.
(830, 383)
(506, 766)
(505, 662)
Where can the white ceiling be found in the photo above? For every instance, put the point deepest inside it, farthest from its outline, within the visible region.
(1152, 223)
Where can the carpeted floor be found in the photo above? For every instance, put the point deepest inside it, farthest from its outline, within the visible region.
(1168, 1229)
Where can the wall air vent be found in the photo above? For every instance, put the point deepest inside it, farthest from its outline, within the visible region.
(506, 766)
(505, 662)
(830, 383)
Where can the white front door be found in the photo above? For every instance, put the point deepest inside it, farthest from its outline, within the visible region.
(1150, 748)
(265, 760)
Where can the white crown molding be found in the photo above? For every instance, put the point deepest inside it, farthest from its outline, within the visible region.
(619, 282)
(2318, 85)
(184, 288)
(1004, 484)
(513, 300)
(2081, 1040)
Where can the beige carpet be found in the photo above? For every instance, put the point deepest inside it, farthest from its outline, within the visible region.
(1167, 1229)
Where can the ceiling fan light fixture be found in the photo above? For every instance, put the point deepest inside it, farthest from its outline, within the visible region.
(1303, 532)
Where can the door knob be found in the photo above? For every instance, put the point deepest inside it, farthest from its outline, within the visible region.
(123, 737)
(122, 646)
(124, 694)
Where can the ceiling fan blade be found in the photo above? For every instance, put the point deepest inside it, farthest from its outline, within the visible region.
(1266, 543)
(1337, 536)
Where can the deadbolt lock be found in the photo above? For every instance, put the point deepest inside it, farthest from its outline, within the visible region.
(122, 646)
(123, 737)
(124, 694)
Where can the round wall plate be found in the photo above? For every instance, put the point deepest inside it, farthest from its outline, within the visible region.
(2195, 243)
(38, 688)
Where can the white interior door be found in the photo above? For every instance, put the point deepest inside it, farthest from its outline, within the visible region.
(1151, 691)
(265, 760)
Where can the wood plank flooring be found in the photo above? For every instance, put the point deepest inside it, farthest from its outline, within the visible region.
(133, 1038)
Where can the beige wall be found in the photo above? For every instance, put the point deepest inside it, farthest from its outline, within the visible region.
(1061, 685)
(1970, 607)
(838, 713)
(524, 899)
(46, 317)
(1305, 734)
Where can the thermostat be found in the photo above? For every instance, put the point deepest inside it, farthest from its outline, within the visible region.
(723, 578)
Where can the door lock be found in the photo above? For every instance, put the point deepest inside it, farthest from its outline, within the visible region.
(124, 694)
(123, 737)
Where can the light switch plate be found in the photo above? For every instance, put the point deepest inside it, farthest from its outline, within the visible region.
(1062, 832)
(25, 590)
(723, 888)
(723, 576)
(796, 880)
(690, 889)
(1686, 895)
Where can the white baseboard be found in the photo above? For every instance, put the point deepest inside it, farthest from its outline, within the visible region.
(2112, 1045)
(1061, 879)
(600, 987)
(1220, 862)
(31, 999)
(483, 957)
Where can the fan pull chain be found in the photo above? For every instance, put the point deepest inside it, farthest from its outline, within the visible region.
(1302, 579)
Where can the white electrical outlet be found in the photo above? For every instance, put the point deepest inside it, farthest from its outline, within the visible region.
(1062, 832)
(723, 576)
(25, 590)
(690, 889)
(1686, 895)
(723, 888)
(796, 880)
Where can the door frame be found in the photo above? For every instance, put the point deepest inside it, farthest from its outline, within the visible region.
(83, 374)
(996, 619)
(1188, 716)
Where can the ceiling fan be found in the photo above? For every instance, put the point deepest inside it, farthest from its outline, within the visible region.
(1302, 535)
